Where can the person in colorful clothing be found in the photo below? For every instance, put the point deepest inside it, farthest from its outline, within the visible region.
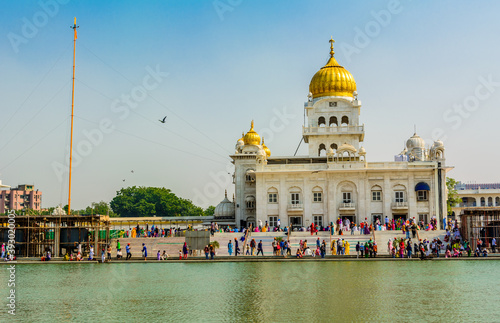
(144, 251)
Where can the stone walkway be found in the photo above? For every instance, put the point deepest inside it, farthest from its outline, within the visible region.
(174, 244)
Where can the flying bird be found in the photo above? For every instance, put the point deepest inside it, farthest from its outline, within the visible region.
(131, 171)
(124, 180)
(163, 121)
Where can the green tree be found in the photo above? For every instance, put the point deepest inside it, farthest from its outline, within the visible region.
(453, 198)
(148, 201)
(101, 208)
(209, 211)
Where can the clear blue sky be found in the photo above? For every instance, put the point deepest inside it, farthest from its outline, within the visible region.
(229, 62)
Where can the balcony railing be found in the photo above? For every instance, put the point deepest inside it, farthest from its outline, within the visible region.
(400, 205)
(334, 129)
(347, 206)
(295, 206)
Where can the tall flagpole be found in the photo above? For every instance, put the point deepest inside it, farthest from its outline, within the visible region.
(72, 113)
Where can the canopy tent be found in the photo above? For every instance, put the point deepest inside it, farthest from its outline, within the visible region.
(422, 187)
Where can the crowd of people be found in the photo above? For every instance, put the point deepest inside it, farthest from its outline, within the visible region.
(153, 232)
(409, 246)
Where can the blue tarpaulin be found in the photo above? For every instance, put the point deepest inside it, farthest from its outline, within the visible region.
(422, 187)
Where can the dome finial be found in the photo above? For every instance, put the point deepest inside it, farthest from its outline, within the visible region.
(331, 46)
(225, 193)
(251, 137)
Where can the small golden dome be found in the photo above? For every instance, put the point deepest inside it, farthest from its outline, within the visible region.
(267, 150)
(251, 137)
(332, 79)
(242, 137)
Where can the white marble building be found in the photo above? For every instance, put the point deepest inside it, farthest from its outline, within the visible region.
(335, 179)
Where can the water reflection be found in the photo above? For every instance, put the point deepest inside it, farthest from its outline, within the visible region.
(256, 292)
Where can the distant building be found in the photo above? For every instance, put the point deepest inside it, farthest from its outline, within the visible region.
(21, 198)
(477, 197)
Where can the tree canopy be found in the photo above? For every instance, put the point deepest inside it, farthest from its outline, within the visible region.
(453, 198)
(153, 201)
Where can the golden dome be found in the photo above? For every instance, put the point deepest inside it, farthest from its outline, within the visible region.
(251, 137)
(267, 150)
(332, 79)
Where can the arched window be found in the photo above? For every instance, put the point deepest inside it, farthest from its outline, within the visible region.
(321, 122)
(272, 195)
(422, 190)
(334, 146)
(295, 196)
(250, 202)
(376, 193)
(465, 201)
(317, 194)
(345, 121)
(333, 121)
(483, 201)
(497, 201)
(250, 176)
(490, 201)
(399, 193)
(322, 150)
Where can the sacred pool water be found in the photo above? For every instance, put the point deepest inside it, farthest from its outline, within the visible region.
(280, 291)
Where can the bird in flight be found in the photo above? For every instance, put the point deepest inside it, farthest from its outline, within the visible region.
(124, 180)
(163, 121)
(131, 171)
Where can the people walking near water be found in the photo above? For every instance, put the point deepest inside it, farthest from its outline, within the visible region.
(212, 251)
(103, 255)
(260, 249)
(236, 247)
(109, 251)
(185, 250)
(91, 253)
(229, 248)
(144, 251)
(127, 249)
(207, 250)
(252, 246)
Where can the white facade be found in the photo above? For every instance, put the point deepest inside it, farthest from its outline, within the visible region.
(477, 197)
(334, 179)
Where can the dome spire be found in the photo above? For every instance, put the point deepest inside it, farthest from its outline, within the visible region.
(332, 79)
(251, 137)
(331, 46)
(225, 193)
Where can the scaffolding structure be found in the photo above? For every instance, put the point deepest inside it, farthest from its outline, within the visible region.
(480, 223)
(35, 235)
